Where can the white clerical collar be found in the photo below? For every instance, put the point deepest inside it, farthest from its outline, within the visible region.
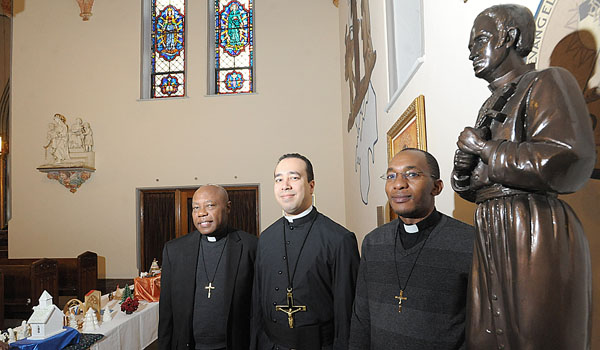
(411, 228)
(216, 236)
(291, 218)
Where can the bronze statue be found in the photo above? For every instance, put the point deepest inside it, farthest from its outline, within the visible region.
(531, 283)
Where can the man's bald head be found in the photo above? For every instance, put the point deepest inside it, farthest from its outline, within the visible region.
(210, 208)
(220, 190)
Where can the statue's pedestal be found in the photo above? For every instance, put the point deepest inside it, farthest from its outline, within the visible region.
(71, 173)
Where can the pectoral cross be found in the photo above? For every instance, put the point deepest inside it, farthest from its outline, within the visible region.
(290, 309)
(400, 298)
(209, 287)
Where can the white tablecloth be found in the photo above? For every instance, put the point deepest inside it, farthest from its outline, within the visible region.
(128, 332)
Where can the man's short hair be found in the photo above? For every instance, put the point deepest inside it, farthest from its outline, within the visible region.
(432, 163)
(310, 175)
(516, 16)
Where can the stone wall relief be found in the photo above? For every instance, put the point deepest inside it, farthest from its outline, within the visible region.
(69, 152)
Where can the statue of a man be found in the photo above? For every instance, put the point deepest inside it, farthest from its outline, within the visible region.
(530, 285)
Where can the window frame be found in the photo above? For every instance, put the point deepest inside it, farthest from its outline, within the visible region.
(147, 85)
(212, 41)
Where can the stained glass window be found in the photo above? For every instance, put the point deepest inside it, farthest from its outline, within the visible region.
(168, 48)
(234, 46)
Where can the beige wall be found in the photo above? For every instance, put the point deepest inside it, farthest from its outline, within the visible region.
(452, 98)
(91, 70)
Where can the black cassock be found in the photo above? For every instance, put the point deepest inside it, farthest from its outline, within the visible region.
(324, 281)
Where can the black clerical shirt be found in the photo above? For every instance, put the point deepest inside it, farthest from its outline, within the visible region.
(425, 226)
(324, 280)
(209, 319)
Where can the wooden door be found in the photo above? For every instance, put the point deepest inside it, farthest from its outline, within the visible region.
(157, 224)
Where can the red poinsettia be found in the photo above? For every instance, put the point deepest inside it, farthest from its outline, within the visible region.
(130, 305)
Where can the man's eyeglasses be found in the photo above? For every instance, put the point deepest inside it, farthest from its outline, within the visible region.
(409, 175)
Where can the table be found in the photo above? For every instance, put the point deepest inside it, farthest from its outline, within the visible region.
(128, 332)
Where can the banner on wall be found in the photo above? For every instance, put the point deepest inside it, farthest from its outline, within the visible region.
(568, 36)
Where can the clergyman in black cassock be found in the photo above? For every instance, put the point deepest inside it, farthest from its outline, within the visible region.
(306, 267)
(206, 281)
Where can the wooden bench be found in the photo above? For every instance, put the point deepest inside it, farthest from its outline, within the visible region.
(77, 276)
(24, 282)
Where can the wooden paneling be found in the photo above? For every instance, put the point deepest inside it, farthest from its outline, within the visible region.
(3, 243)
(5, 72)
(244, 209)
(67, 277)
(24, 282)
(88, 273)
(1, 300)
(77, 276)
(157, 224)
(44, 274)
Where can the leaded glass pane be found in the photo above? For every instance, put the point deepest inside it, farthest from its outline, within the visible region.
(168, 48)
(235, 81)
(234, 53)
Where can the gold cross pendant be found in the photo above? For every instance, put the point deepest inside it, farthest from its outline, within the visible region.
(290, 309)
(209, 287)
(400, 298)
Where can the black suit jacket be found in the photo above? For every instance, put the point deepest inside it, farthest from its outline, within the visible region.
(178, 286)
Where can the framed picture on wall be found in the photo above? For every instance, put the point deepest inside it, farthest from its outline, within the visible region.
(407, 132)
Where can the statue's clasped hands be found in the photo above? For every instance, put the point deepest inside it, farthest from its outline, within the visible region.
(472, 140)
(470, 144)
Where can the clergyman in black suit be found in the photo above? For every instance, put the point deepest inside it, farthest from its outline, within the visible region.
(206, 281)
